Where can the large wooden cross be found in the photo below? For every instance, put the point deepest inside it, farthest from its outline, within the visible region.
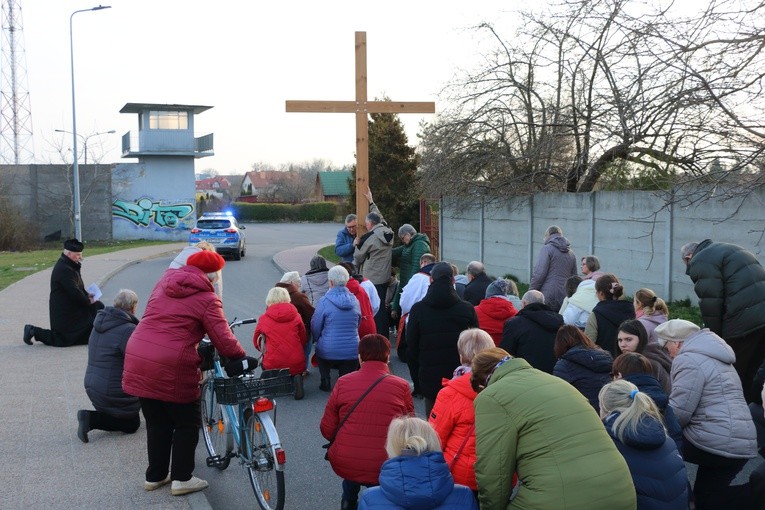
(362, 108)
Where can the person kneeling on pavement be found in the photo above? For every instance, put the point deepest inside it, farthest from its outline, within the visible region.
(162, 367)
(115, 410)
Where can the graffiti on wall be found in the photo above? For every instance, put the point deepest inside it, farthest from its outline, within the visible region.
(143, 211)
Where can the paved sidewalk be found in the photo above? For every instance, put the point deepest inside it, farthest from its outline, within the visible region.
(42, 388)
(46, 465)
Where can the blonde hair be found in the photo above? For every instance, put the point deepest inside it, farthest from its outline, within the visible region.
(277, 295)
(411, 433)
(650, 303)
(205, 246)
(471, 342)
(632, 404)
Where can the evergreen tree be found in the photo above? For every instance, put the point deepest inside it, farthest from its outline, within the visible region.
(392, 172)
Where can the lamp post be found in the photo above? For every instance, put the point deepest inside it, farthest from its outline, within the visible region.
(76, 168)
(86, 138)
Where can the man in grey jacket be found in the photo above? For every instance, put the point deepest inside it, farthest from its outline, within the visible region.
(373, 257)
(555, 264)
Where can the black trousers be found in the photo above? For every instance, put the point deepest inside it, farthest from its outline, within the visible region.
(56, 339)
(171, 429)
(344, 366)
(713, 489)
(750, 353)
(104, 421)
(382, 320)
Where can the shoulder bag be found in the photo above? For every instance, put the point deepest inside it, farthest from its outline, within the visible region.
(342, 422)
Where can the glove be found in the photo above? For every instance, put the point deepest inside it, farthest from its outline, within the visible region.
(240, 366)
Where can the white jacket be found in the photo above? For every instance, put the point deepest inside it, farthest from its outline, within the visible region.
(708, 399)
(414, 291)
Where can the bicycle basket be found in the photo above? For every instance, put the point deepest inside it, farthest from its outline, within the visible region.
(271, 383)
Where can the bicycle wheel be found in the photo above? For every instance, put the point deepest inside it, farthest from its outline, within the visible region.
(267, 482)
(217, 434)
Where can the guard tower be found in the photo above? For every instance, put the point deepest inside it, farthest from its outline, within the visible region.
(155, 198)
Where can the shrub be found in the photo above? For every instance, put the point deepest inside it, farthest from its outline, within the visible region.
(17, 233)
(311, 212)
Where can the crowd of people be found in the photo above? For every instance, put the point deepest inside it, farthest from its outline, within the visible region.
(569, 396)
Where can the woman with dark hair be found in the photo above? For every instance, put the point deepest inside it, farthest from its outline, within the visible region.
(637, 369)
(651, 311)
(632, 337)
(534, 424)
(357, 416)
(315, 282)
(581, 363)
(611, 310)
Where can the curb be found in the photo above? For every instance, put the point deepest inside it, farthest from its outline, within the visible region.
(108, 276)
(198, 501)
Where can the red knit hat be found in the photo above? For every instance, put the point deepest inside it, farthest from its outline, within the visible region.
(207, 261)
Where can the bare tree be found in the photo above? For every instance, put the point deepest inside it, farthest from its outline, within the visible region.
(590, 89)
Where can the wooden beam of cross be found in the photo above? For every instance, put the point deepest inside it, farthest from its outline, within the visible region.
(362, 108)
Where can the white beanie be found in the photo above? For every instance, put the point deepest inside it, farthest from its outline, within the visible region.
(676, 330)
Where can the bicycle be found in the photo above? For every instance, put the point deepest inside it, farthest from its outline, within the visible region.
(239, 421)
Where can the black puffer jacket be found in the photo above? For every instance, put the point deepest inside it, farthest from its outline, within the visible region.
(106, 358)
(531, 335)
(435, 324)
(609, 314)
(730, 284)
(587, 370)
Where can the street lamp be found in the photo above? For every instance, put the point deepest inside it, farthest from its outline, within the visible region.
(76, 168)
(86, 138)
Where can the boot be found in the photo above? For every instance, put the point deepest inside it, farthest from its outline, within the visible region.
(83, 419)
(297, 383)
(348, 505)
(325, 384)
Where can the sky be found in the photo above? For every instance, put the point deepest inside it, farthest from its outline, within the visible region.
(243, 58)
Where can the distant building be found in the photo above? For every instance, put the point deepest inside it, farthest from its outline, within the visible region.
(217, 187)
(332, 187)
(261, 184)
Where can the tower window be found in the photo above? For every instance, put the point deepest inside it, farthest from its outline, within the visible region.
(168, 120)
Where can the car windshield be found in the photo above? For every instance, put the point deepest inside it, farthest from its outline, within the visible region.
(213, 224)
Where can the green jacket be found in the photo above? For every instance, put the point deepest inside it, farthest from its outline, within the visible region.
(730, 284)
(541, 427)
(407, 259)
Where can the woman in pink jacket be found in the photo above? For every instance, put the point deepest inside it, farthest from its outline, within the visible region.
(162, 367)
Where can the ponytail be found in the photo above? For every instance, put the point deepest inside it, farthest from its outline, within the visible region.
(632, 404)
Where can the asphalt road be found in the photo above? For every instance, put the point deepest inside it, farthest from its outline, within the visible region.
(310, 482)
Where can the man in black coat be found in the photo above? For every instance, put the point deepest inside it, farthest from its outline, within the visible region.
(531, 334)
(72, 310)
(478, 281)
(435, 324)
(730, 284)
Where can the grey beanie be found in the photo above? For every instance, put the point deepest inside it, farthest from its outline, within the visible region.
(498, 287)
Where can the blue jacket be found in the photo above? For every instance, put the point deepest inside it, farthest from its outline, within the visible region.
(649, 385)
(335, 325)
(421, 482)
(344, 245)
(657, 468)
(586, 370)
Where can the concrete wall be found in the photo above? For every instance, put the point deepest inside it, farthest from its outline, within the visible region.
(635, 234)
(157, 204)
(44, 195)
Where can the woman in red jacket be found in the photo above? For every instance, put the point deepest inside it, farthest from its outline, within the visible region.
(162, 366)
(453, 416)
(281, 337)
(367, 324)
(358, 437)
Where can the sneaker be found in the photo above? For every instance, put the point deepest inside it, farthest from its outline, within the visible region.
(29, 334)
(193, 484)
(151, 486)
(83, 417)
(297, 382)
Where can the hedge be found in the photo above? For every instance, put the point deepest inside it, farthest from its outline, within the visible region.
(314, 211)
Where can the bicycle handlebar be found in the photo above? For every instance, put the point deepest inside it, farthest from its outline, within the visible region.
(234, 323)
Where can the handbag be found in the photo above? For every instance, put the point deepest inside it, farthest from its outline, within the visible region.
(326, 446)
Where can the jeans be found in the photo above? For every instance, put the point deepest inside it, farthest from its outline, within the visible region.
(171, 429)
(713, 490)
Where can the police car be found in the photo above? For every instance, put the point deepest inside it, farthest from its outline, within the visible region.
(222, 231)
